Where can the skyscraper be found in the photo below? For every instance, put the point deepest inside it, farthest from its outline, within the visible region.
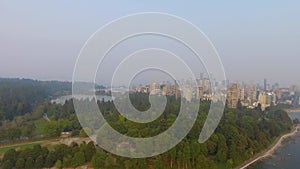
(265, 85)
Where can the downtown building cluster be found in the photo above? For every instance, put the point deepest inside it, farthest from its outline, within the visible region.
(203, 90)
(255, 95)
(246, 94)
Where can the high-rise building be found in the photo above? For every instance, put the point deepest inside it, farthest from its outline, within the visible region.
(265, 85)
(174, 90)
(200, 93)
(206, 85)
(242, 93)
(251, 93)
(262, 99)
(266, 99)
(154, 89)
(233, 95)
(164, 89)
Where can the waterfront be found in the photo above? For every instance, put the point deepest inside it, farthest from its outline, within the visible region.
(286, 156)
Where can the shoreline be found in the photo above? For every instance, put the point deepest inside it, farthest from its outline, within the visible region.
(292, 110)
(269, 151)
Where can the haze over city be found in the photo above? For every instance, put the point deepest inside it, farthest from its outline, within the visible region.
(255, 40)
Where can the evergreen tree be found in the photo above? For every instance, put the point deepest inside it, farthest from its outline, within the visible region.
(90, 151)
(78, 159)
(20, 164)
(239, 105)
(50, 160)
(58, 164)
(7, 164)
(67, 160)
(29, 164)
(39, 162)
(98, 159)
(11, 155)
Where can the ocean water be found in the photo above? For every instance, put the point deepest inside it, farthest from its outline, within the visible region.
(285, 157)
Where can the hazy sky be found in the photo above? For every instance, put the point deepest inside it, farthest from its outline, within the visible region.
(255, 39)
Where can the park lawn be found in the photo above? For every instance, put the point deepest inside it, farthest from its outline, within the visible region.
(47, 142)
(4, 149)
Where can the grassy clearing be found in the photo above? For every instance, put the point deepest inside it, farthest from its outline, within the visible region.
(24, 146)
(29, 144)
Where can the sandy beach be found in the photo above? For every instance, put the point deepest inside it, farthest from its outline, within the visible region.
(270, 150)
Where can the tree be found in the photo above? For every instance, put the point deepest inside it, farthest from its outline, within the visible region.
(50, 160)
(180, 158)
(90, 151)
(29, 164)
(20, 164)
(158, 162)
(39, 162)
(54, 128)
(10, 155)
(61, 151)
(78, 159)
(229, 163)
(25, 153)
(195, 151)
(36, 151)
(109, 161)
(58, 164)
(44, 152)
(128, 164)
(258, 108)
(98, 159)
(7, 165)
(202, 162)
(173, 156)
(75, 147)
(67, 161)
(28, 129)
(222, 149)
(82, 133)
(239, 105)
(212, 144)
(187, 155)
(141, 163)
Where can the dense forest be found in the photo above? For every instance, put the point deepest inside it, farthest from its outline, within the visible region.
(241, 134)
(21, 96)
(60, 118)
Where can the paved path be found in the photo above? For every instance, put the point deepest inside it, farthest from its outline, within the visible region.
(292, 110)
(27, 143)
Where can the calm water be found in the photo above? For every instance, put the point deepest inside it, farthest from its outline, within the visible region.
(286, 157)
